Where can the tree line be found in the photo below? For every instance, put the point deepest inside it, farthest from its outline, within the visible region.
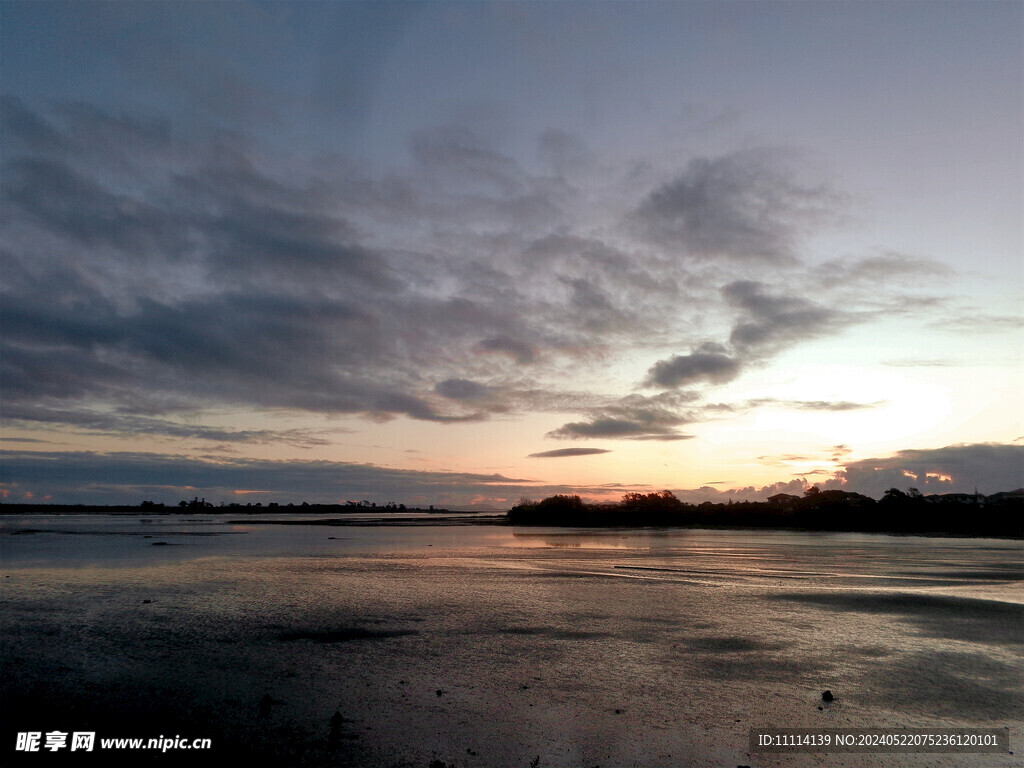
(817, 510)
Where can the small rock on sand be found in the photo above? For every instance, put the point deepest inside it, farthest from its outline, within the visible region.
(265, 704)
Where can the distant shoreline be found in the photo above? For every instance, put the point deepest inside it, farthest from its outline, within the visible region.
(606, 518)
(160, 509)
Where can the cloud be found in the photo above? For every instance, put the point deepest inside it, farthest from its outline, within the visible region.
(20, 124)
(522, 352)
(78, 207)
(840, 453)
(747, 493)
(153, 270)
(745, 205)
(603, 428)
(633, 417)
(989, 467)
(703, 364)
(666, 438)
(461, 389)
(102, 478)
(96, 422)
(215, 281)
(562, 452)
(910, 362)
(564, 152)
(880, 269)
(456, 150)
(264, 350)
(773, 321)
(981, 322)
(127, 478)
(835, 406)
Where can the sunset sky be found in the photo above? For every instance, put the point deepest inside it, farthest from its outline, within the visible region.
(460, 253)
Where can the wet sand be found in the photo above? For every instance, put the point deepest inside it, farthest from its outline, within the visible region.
(558, 649)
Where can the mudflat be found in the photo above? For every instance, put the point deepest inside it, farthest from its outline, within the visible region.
(496, 646)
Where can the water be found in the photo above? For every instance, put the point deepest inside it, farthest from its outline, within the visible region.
(616, 647)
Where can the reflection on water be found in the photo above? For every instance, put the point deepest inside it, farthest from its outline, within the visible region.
(490, 645)
(573, 540)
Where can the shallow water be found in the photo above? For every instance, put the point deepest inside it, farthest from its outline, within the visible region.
(640, 647)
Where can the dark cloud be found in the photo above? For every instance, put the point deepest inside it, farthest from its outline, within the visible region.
(603, 428)
(248, 224)
(562, 452)
(840, 452)
(127, 478)
(157, 272)
(461, 389)
(522, 352)
(93, 422)
(633, 417)
(267, 351)
(79, 208)
(748, 493)
(989, 467)
(213, 281)
(703, 364)
(744, 205)
(773, 321)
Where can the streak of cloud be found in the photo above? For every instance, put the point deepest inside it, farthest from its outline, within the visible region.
(567, 452)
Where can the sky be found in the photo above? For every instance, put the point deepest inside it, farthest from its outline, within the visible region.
(464, 253)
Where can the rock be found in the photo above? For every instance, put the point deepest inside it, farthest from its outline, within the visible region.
(439, 693)
(827, 696)
(336, 721)
(265, 704)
